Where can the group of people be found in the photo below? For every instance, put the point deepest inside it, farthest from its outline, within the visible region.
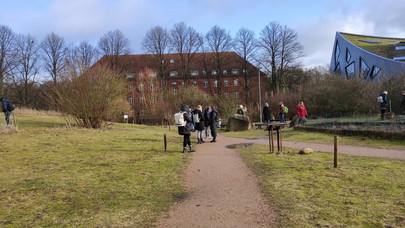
(200, 121)
(301, 113)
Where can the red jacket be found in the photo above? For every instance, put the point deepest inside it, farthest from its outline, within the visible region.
(301, 111)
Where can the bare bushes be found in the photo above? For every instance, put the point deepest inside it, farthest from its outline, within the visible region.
(92, 98)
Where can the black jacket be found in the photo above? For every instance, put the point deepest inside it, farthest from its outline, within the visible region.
(213, 117)
(266, 112)
(200, 125)
(6, 104)
(186, 130)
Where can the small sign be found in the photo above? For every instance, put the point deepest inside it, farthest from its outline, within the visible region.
(125, 116)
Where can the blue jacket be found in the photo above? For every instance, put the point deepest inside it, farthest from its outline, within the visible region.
(6, 104)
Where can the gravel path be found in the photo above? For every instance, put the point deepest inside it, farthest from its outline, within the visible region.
(222, 192)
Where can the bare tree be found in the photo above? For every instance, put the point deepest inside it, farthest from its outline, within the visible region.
(219, 41)
(157, 42)
(246, 46)
(186, 42)
(54, 53)
(81, 58)
(26, 69)
(7, 53)
(113, 44)
(270, 42)
(281, 51)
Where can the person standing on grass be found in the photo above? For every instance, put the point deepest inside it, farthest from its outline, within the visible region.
(282, 118)
(383, 104)
(213, 123)
(198, 119)
(301, 113)
(186, 130)
(266, 113)
(7, 109)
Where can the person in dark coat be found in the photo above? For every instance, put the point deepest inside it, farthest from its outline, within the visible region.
(213, 123)
(207, 112)
(186, 130)
(7, 109)
(266, 113)
(384, 104)
(198, 119)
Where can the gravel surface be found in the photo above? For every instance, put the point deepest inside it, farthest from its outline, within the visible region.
(222, 192)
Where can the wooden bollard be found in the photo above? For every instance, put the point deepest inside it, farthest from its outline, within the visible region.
(165, 141)
(335, 152)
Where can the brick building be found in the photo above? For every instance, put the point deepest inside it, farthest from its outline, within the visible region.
(204, 71)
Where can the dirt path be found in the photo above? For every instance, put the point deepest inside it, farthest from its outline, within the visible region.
(342, 149)
(223, 192)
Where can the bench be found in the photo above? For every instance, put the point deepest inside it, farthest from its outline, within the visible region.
(260, 125)
(223, 125)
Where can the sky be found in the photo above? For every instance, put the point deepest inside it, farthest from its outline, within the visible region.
(315, 21)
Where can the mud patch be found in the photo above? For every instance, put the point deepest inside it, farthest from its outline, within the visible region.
(239, 146)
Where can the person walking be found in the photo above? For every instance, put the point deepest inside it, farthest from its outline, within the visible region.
(213, 123)
(7, 109)
(282, 118)
(198, 120)
(266, 113)
(207, 112)
(383, 104)
(186, 129)
(301, 113)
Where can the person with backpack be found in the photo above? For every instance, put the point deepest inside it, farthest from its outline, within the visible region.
(183, 122)
(7, 109)
(207, 112)
(282, 112)
(240, 111)
(198, 120)
(213, 123)
(383, 104)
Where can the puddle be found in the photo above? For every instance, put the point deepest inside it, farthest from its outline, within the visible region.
(238, 146)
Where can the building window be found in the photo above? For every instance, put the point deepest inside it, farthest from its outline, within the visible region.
(226, 94)
(173, 73)
(216, 83)
(364, 69)
(130, 87)
(235, 82)
(141, 100)
(204, 72)
(172, 61)
(131, 100)
(152, 74)
(350, 71)
(205, 84)
(143, 112)
(236, 94)
(152, 86)
(153, 99)
(226, 83)
(348, 55)
(174, 91)
(195, 83)
(213, 72)
(140, 87)
(374, 71)
(235, 71)
(206, 96)
(153, 112)
(174, 83)
(194, 73)
(224, 72)
(337, 53)
(130, 75)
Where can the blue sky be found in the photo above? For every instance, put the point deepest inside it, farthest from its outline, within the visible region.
(316, 21)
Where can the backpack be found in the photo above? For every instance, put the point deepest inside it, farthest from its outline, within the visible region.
(285, 109)
(196, 118)
(179, 119)
(10, 107)
(380, 99)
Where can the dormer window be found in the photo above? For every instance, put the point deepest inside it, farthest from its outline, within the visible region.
(235, 71)
(224, 72)
(173, 73)
(172, 61)
(194, 73)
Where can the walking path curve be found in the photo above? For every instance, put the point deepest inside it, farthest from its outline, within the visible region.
(223, 191)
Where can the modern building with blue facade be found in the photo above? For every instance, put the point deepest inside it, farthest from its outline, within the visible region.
(367, 57)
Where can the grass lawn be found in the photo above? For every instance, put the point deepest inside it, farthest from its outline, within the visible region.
(306, 191)
(51, 175)
(289, 134)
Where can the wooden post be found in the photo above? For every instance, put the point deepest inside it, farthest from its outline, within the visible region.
(165, 140)
(14, 120)
(272, 140)
(335, 151)
(269, 143)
